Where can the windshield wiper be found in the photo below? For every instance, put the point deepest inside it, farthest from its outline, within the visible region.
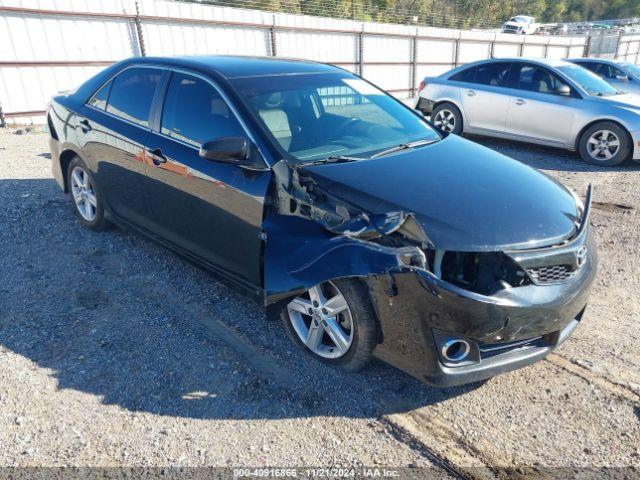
(333, 159)
(403, 146)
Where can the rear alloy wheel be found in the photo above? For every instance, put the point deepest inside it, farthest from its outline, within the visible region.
(605, 144)
(447, 118)
(86, 200)
(334, 322)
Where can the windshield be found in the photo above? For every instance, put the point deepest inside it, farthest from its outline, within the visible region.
(320, 116)
(589, 81)
(519, 19)
(631, 68)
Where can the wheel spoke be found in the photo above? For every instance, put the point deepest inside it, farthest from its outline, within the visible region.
(77, 178)
(336, 305)
(314, 337)
(92, 199)
(593, 140)
(614, 143)
(605, 134)
(300, 305)
(607, 153)
(316, 295)
(338, 337)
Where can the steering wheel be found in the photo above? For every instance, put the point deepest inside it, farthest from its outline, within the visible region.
(344, 124)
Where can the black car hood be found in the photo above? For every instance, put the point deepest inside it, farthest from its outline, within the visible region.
(465, 196)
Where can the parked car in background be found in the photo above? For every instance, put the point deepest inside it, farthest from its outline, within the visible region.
(520, 24)
(549, 102)
(370, 232)
(625, 76)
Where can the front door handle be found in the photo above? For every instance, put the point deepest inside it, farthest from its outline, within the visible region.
(520, 102)
(471, 93)
(85, 126)
(157, 156)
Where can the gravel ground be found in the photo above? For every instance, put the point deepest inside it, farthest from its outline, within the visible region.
(114, 351)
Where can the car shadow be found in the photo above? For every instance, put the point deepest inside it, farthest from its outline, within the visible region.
(548, 158)
(114, 315)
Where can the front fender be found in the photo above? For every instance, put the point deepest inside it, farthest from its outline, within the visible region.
(299, 254)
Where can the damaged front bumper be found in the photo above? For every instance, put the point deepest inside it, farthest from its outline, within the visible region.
(514, 328)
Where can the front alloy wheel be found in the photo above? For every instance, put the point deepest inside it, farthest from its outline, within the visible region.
(322, 320)
(605, 144)
(333, 321)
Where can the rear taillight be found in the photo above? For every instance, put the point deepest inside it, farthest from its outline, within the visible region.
(422, 85)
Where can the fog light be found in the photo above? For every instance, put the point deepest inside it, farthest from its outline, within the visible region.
(455, 350)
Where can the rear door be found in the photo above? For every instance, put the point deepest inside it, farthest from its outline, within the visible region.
(536, 112)
(112, 131)
(208, 209)
(485, 96)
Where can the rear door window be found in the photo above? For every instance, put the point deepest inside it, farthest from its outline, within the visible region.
(132, 94)
(194, 112)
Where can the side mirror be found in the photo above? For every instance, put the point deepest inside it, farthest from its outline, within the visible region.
(235, 150)
(563, 90)
(226, 149)
(622, 78)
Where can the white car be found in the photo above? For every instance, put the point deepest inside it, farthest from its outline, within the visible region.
(520, 24)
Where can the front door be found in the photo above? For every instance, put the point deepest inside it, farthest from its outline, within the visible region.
(536, 111)
(208, 209)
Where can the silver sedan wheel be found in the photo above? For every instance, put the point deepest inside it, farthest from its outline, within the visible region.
(445, 120)
(322, 320)
(603, 145)
(84, 194)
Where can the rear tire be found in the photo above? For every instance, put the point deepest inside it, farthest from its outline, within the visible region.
(87, 201)
(604, 144)
(356, 321)
(447, 118)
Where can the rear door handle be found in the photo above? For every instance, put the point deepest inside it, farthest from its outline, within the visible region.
(157, 156)
(471, 93)
(520, 102)
(85, 126)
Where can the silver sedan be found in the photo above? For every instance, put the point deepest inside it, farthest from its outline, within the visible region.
(549, 102)
(625, 76)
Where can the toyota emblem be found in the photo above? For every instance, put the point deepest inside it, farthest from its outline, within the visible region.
(581, 255)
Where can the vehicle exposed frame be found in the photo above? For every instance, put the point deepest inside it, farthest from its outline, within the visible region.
(449, 306)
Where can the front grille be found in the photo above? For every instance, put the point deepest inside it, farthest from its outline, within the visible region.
(551, 274)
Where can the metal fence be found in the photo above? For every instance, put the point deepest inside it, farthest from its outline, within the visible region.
(43, 51)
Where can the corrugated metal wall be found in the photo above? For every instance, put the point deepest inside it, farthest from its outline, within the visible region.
(48, 46)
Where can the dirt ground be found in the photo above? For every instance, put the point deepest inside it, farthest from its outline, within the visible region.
(116, 352)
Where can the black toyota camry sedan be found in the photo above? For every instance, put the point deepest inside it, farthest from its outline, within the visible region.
(331, 202)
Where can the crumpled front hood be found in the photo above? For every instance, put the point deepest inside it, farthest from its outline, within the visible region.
(465, 196)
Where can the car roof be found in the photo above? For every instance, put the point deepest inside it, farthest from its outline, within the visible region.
(548, 62)
(233, 66)
(595, 60)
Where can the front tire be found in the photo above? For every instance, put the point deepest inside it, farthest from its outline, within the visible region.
(334, 322)
(447, 118)
(605, 144)
(87, 201)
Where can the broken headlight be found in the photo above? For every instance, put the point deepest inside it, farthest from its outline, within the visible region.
(485, 273)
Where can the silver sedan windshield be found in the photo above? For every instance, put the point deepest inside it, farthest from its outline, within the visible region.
(589, 81)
